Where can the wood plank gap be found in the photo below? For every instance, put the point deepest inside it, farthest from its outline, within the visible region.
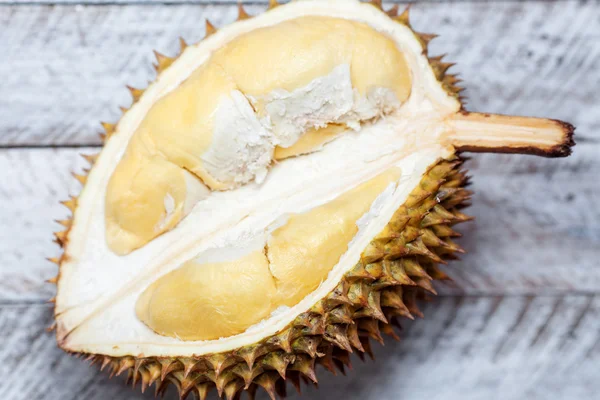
(458, 296)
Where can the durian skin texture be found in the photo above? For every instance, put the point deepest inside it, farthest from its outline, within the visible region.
(184, 131)
(395, 270)
(209, 301)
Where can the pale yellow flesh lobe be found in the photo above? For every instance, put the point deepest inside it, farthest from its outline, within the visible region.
(212, 300)
(208, 301)
(304, 250)
(310, 141)
(224, 126)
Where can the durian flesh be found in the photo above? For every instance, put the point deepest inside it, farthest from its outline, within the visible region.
(208, 300)
(160, 244)
(225, 121)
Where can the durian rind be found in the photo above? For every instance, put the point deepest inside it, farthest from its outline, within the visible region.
(395, 269)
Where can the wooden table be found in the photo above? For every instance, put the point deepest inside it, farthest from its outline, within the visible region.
(523, 318)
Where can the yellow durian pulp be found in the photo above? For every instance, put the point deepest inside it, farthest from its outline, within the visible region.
(203, 301)
(310, 141)
(230, 118)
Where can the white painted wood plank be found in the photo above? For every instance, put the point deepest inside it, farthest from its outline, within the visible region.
(537, 225)
(537, 228)
(508, 348)
(33, 182)
(65, 67)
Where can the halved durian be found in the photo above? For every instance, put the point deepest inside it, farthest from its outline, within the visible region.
(277, 197)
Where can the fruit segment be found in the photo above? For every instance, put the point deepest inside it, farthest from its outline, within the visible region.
(271, 89)
(209, 300)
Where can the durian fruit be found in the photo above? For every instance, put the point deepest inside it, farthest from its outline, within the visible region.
(275, 200)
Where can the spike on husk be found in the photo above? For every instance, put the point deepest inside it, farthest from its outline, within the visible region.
(90, 158)
(242, 14)
(377, 4)
(80, 178)
(135, 93)
(425, 39)
(404, 18)
(182, 45)
(393, 11)
(54, 260)
(209, 28)
(162, 62)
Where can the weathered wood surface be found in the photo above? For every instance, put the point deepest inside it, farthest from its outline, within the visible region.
(537, 227)
(508, 348)
(521, 322)
(65, 67)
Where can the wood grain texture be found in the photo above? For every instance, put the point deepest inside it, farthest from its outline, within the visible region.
(67, 66)
(33, 183)
(537, 227)
(508, 348)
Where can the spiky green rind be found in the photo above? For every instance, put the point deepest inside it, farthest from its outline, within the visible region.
(395, 270)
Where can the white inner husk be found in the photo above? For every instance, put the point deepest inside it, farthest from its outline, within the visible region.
(97, 290)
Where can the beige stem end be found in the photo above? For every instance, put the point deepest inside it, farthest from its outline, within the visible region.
(495, 133)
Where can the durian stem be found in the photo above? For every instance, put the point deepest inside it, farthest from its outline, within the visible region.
(494, 133)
